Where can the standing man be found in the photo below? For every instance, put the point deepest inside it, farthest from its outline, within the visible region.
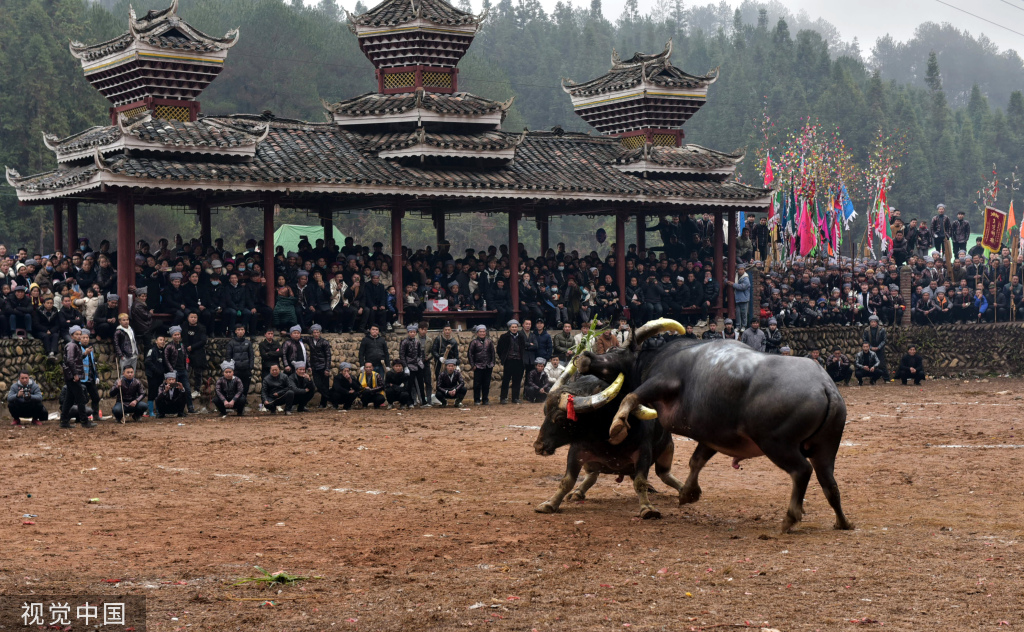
(270, 353)
(961, 232)
(411, 353)
(564, 343)
(229, 392)
(243, 357)
(941, 228)
(511, 351)
(545, 345)
(141, 318)
(129, 396)
(426, 392)
(911, 367)
(25, 400)
(320, 364)
(294, 350)
(126, 349)
(154, 364)
(450, 384)
(176, 359)
(481, 357)
(92, 376)
(741, 294)
(373, 349)
(874, 335)
(445, 347)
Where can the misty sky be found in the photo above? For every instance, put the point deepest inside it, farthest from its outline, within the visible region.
(867, 19)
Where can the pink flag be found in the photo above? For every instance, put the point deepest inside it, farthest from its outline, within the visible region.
(807, 237)
(768, 176)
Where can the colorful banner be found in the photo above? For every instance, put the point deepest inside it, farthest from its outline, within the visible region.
(995, 222)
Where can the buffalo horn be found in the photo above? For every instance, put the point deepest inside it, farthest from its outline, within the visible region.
(659, 326)
(593, 402)
(643, 412)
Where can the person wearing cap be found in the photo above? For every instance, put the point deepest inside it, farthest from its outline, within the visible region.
(126, 348)
(444, 347)
(786, 351)
(25, 401)
(171, 397)
(140, 316)
(450, 384)
(371, 387)
(773, 337)
(960, 232)
(398, 386)
(154, 366)
(867, 365)
(172, 300)
(941, 228)
(277, 391)
(753, 336)
(729, 330)
(537, 382)
(481, 357)
(376, 297)
(319, 366)
(911, 367)
(46, 326)
(104, 317)
(412, 354)
(345, 389)
(511, 350)
(92, 376)
(129, 396)
(293, 350)
(175, 359)
(302, 386)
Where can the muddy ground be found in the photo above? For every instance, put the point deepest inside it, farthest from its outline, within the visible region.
(424, 521)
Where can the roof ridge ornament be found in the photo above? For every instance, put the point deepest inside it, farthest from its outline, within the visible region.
(97, 159)
(12, 176)
(50, 141)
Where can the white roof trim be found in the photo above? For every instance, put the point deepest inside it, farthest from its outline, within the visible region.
(418, 115)
(652, 167)
(430, 150)
(640, 92)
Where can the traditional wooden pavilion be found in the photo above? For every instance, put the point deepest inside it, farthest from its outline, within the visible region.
(416, 145)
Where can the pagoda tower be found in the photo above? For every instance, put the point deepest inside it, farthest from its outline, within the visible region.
(160, 66)
(643, 100)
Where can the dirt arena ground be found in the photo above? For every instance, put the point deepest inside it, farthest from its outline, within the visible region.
(424, 521)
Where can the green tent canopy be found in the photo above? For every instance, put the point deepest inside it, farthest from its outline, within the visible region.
(287, 236)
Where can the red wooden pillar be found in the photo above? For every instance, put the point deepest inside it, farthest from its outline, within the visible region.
(327, 222)
(72, 226)
(620, 256)
(396, 259)
(543, 222)
(731, 266)
(58, 226)
(205, 236)
(513, 253)
(641, 233)
(268, 249)
(719, 269)
(125, 246)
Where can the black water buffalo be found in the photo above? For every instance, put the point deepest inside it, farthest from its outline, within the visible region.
(595, 403)
(734, 400)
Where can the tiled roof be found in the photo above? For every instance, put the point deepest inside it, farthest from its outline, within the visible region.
(395, 12)
(58, 182)
(375, 104)
(182, 43)
(654, 69)
(206, 133)
(692, 157)
(491, 140)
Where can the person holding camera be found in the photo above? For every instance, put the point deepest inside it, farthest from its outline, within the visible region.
(25, 401)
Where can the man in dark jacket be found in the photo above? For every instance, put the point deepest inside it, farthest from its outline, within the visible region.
(709, 297)
(176, 359)
(229, 392)
(141, 319)
(838, 367)
(410, 352)
(172, 397)
(374, 349)
(238, 305)
(875, 336)
(277, 391)
(398, 386)
(25, 401)
(240, 352)
(172, 301)
(481, 356)
(545, 345)
(302, 386)
(537, 383)
(376, 301)
(511, 351)
(105, 319)
(911, 367)
(73, 367)
(450, 384)
(960, 233)
(345, 389)
(154, 364)
(941, 228)
(319, 367)
(270, 353)
(129, 396)
(294, 350)
(867, 365)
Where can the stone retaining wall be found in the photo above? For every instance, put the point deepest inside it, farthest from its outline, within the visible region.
(948, 350)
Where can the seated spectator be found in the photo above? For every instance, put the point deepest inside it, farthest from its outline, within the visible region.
(537, 383)
(345, 389)
(371, 387)
(867, 365)
(171, 397)
(229, 391)
(129, 396)
(302, 386)
(398, 386)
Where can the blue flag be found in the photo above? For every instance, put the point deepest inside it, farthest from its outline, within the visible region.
(848, 212)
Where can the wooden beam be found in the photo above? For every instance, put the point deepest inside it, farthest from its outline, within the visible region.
(205, 230)
(641, 233)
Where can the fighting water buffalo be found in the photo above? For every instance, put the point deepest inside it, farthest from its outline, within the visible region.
(580, 414)
(734, 400)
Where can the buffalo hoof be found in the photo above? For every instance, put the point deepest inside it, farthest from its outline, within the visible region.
(689, 496)
(576, 497)
(649, 513)
(843, 526)
(545, 508)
